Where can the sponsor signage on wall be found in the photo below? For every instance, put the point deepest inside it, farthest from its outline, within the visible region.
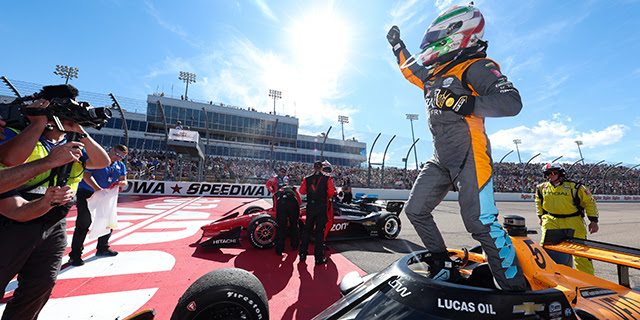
(174, 188)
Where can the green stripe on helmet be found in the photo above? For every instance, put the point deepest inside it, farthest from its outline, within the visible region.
(457, 12)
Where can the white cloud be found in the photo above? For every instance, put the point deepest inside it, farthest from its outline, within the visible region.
(376, 157)
(242, 75)
(266, 10)
(553, 138)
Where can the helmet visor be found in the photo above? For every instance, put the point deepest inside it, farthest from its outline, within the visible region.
(431, 37)
(436, 35)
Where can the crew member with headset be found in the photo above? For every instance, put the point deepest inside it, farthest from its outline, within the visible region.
(319, 189)
(37, 245)
(562, 204)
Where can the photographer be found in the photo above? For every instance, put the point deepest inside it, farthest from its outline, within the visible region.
(13, 177)
(38, 244)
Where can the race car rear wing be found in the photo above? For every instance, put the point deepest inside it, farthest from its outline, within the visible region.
(562, 240)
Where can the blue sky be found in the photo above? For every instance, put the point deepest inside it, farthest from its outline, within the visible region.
(574, 63)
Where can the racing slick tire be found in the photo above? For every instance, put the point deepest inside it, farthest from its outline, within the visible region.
(389, 226)
(228, 293)
(262, 231)
(252, 209)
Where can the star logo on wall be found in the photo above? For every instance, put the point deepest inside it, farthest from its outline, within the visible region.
(176, 189)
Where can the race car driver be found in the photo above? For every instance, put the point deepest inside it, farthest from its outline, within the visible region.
(461, 88)
(562, 204)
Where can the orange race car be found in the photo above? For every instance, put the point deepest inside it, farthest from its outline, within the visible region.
(556, 291)
(403, 290)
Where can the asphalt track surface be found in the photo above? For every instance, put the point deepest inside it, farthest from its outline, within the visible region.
(619, 224)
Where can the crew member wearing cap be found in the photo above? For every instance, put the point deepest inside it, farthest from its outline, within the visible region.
(562, 204)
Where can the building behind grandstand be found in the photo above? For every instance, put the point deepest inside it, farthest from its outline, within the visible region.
(234, 132)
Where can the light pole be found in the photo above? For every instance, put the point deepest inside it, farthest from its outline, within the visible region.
(579, 143)
(411, 117)
(518, 141)
(343, 120)
(275, 94)
(66, 72)
(187, 78)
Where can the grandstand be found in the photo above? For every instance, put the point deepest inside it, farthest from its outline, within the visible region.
(238, 148)
(225, 131)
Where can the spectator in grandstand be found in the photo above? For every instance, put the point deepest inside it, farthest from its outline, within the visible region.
(112, 176)
(562, 204)
(461, 88)
(278, 181)
(37, 245)
(319, 189)
(178, 125)
(287, 203)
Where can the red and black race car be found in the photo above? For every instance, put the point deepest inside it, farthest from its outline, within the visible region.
(367, 217)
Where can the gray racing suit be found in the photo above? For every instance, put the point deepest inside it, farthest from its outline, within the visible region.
(462, 158)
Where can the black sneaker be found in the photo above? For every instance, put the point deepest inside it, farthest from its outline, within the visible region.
(323, 260)
(106, 252)
(76, 262)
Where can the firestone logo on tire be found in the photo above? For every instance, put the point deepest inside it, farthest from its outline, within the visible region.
(191, 306)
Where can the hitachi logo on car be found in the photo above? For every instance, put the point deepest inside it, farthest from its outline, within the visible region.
(224, 241)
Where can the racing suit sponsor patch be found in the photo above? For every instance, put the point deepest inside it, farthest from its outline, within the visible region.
(447, 82)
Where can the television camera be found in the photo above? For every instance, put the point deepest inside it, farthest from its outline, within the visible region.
(62, 106)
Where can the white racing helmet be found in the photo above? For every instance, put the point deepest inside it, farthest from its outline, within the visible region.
(327, 168)
(455, 29)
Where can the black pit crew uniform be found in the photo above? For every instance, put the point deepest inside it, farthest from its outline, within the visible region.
(287, 206)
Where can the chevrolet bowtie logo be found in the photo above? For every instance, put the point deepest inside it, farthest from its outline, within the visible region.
(528, 308)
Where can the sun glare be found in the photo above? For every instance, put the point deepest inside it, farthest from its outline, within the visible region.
(321, 42)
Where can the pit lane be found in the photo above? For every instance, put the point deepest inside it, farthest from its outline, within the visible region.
(158, 258)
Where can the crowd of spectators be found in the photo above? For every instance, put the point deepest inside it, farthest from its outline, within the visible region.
(508, 176)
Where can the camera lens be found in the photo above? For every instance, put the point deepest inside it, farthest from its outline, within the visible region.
(100, 113)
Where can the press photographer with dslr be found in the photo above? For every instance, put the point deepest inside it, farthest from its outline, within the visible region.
(37, 245)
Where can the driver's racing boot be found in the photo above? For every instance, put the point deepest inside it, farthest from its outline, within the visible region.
(441, 267)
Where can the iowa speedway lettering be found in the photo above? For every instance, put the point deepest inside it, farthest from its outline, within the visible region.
(214, 189)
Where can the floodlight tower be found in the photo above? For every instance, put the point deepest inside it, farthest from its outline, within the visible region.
(275, 94)
(411, 117)
(579, 143)
(187, 78)
(66, 72)
(518, 141)
(343, 120)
